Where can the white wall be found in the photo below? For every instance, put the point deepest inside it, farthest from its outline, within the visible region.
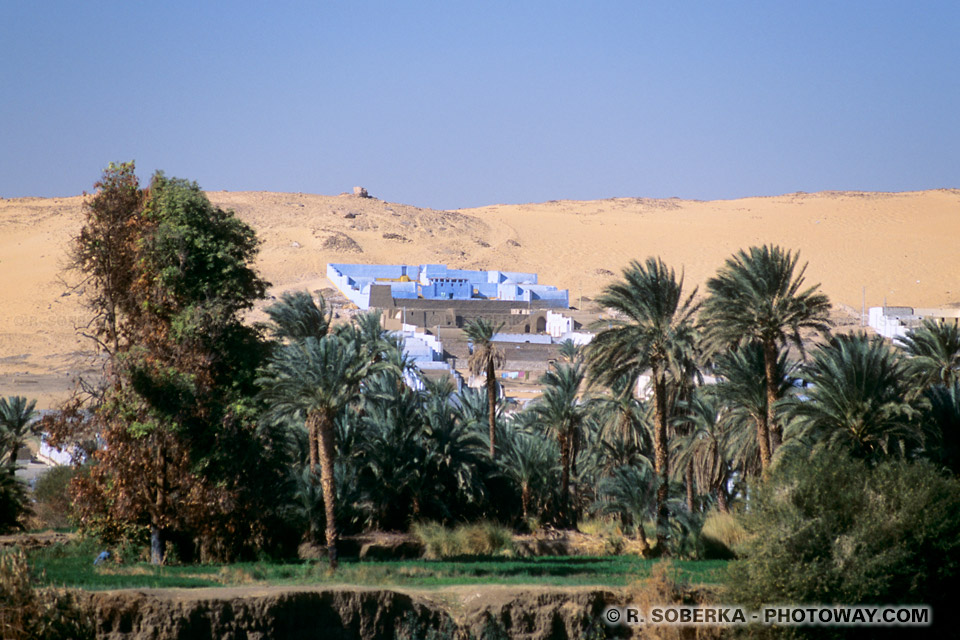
(887, 326)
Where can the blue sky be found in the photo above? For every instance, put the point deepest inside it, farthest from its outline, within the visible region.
(457, 103)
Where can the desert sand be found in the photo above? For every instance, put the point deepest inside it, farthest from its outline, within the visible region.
(901, 247)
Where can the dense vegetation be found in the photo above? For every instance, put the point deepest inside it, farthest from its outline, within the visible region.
(217, 440)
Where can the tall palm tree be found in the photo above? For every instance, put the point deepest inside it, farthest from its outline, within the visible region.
(313, 380)
(560, 411)
(934, 348)
(485, 358)
(16, 416)
(758, 295)
(654, 330)
(858, 400)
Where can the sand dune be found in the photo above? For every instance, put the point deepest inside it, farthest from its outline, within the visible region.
(901, 246)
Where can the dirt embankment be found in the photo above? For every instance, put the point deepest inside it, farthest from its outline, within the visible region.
(349, 612)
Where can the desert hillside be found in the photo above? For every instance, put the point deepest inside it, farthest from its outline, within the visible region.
(901, 246)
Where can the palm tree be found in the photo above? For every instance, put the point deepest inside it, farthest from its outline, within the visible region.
(756, 295)
(653, 330)
(395, 462)
(457, 448)
(529, 460)
(934, 348)
(629, 491)
(942, 418)
(313, 380)
(622, 416)
(560, 411)
(297, 316)
(857, 401)
(702, 449)
(742, 387)
(16, 415)
(485, 358)
(570, 351)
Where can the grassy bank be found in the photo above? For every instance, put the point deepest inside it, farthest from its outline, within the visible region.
(71, 565)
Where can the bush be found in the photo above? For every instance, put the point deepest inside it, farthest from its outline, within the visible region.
(27, 612)
(480, 539)
(52, 495)
(723, 536)
(833, 530)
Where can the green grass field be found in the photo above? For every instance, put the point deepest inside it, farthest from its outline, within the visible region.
(71, 565)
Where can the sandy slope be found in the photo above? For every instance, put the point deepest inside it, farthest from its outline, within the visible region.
(902, 247)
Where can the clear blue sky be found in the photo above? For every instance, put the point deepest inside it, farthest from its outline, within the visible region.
(458, 103)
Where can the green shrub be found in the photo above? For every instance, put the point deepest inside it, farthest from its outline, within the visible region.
(834, 530)
(52, 495)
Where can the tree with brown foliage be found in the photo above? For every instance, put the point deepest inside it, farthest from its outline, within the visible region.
(177, 419)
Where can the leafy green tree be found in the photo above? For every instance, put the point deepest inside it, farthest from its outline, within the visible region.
(16, 422)
(168, 276)
(934, 350)
(758, 295)
(653, 329)
(826, 528)
(858, 400)
(486, 358)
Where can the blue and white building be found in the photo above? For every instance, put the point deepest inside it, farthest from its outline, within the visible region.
(438, 282)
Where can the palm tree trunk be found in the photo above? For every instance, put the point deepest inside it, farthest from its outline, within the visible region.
(525, 501)
(312, 442)
(492, 406)
(690, 494)
(564, 477)
(770, 356)
(327, 483)
(722, 500)
(763, 442)
(642, 539)
(661, 458)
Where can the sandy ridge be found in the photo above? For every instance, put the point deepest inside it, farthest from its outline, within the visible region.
(901, 246)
